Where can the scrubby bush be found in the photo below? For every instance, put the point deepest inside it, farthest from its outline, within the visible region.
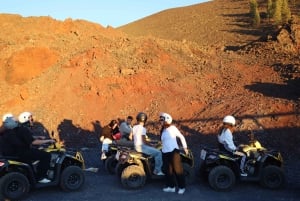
(285, 11)
(279, 11)
(254, 13)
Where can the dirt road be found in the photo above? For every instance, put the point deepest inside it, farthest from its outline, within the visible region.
(102, 186)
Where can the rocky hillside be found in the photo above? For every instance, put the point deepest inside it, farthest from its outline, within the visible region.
(198, 63)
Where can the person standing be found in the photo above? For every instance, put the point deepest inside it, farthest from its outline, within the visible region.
(139, 139)
(171, 154)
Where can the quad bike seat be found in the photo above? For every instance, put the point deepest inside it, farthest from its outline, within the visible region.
(9, 157)
(136, 154)
(16, 158)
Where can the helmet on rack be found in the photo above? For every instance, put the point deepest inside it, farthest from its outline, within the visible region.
(25, 117)
(9, 121)
(141, 117)
(229, 120)
(165, 117)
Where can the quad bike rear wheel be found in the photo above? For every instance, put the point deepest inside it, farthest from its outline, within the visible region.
(14, 186)
(272, 177)
(221, 178)
(72, 178)
(119, 169)
(189, 173)
(110, 164)
(202, 173)
(133, 177)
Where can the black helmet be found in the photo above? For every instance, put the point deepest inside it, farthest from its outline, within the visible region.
(141, 117)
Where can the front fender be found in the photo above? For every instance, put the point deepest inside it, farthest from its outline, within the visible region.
(214, 159)
(273, 158)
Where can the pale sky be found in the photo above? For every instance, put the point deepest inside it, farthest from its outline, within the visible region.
(105, 12)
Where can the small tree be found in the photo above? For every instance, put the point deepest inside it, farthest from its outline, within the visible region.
(285, 11)
(270, 9)
(254, 13)
(277, 16)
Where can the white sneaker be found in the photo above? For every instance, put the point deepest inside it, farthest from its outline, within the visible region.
(44, 181)
(244, 174)
(169, 190)
(103, 156)
(160, 173)
(181, 191)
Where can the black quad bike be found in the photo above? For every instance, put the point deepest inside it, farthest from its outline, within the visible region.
(222, 169)
(134, 168)
(18, 178)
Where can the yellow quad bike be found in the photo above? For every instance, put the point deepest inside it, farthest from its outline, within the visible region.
(134, 168)
(18, 178)
(221, 169)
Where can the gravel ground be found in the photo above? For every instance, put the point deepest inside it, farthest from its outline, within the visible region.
(103, 186)
(291, 166)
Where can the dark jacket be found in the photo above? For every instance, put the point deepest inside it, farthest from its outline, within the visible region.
(16, 141)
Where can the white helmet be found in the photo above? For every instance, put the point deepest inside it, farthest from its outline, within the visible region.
(229, 120)
(9, 121)
(8, 115)
(24, 117)
(166, 117)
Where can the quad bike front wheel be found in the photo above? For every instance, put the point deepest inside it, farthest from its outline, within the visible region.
(72, 178)
(14, 186)
(110, 164)
(272, 177)
(221, 178)
(119, 169)
(133, 177)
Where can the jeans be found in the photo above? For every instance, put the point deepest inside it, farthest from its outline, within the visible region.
(153, 152)
(238, 153)
(105, 144)
(243, 159)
